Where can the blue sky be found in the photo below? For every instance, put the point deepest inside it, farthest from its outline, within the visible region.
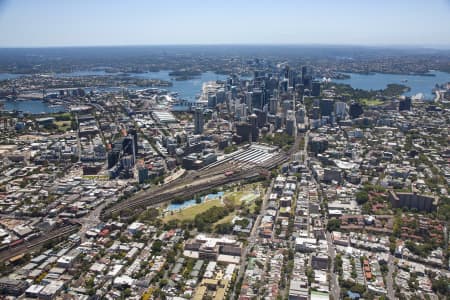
(40, 23)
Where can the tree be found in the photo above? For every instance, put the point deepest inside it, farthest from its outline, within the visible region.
(392, 244)
(338, 264)
(157, 246)
(310, 275)
(163, 282)
(89, 283)
(127, 293)
(362, 197)
(366, 208)
(412, 282)
(358, 288)
(441, 285)
(397, 227)
(333, 224)
(224, 228)
(204, 220)
(444, 209)
(243, 223)
(149, 215)
(230, 149)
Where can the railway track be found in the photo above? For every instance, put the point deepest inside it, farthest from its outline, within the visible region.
(138, 204)
(186, 189)
(36, 244)
(180, 183)
(191, 177)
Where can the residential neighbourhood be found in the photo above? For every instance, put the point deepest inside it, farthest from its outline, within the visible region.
(273, 185)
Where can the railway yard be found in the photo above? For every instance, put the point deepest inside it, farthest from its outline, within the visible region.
(231, 170)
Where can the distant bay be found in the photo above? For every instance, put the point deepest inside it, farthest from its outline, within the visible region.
(6, 76)
(187, 89)
(190, 88)
(35, 107)
(418, 83)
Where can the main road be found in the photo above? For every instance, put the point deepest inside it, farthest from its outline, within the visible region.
(334, 283)
(389, 278)
(252, 239)
(335, 290)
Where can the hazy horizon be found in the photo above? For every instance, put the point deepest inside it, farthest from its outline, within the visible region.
(383, 23)
(362, 46)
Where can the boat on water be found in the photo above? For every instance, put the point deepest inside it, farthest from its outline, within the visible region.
(11, 98)
(418, 97)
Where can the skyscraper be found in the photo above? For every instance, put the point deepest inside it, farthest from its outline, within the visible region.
(283, 87)
(258, 99)
(355, 110)
(305, 71)
(199, 120)
(212, 101)
(307, 77)
(133, 132)
(300, 115)
(291, 124)
(253, 120)
(261, 117)
(326, 107)
(291, 77)
(315, 92)
(248, 100)
(299, 91)
(340, 110)
(142, 174)
(404, 104)
(129, 146)
(273, 105)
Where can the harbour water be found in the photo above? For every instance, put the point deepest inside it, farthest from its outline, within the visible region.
(5, 76)
(32, 106)
(187, 89)
(417, 83)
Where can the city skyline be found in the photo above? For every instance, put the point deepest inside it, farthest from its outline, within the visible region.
(49, 23)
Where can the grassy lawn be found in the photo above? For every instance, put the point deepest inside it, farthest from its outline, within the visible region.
(246, 195)
(371, 102)
(190, 212)
(249, 197)
(253, 208)
(227, 219)
(63, 125)
(234, 197)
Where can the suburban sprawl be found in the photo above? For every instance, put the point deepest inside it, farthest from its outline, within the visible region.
(275, 182)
